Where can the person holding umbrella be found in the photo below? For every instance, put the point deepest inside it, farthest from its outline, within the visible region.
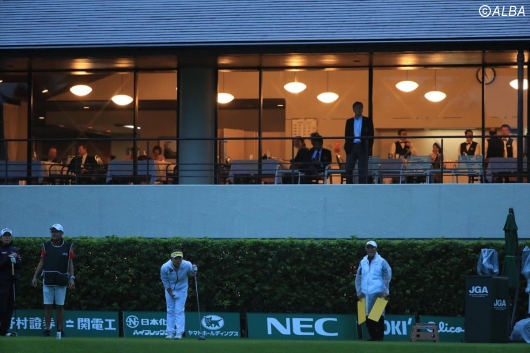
(10, 263)
(174, 275)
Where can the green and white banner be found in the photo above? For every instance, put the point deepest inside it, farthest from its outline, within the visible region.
(77, 323)
(153, 323)
(450, 329)
(302, 326)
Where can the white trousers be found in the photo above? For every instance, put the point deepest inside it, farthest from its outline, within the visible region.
(175, 313)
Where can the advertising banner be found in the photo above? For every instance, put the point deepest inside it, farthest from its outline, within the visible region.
(450, 329)
(77, 323)
(302, 326)
(152, 324)
(397, 327)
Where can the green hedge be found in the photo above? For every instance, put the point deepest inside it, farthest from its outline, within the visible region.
(237, 275)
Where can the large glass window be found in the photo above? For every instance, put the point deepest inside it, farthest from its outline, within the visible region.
(157, 114)
(238, 116)
(305, 113)
(13, 116)
(424, 116)
(82, 107)
(500, 98)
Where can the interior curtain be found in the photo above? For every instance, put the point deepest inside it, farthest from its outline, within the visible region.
(11, 128)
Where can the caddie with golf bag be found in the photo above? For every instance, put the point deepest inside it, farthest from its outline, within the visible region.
(174, 275)
(10, 263)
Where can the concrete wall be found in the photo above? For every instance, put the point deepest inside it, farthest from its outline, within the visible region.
(267, 211)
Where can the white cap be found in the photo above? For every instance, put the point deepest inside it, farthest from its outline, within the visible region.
(58, 227)
(371, 242)
(6, 230)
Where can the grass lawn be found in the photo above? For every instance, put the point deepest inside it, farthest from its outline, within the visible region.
(137, 345)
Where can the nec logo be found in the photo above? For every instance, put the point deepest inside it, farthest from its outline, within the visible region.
(301, 326)
(478, 290)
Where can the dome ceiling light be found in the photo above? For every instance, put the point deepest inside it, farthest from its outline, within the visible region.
(406, 86)
(80, 90)
(223, 97)
(515, 84)
(435, 96)
(327, 97)
(295, 86)
(122, 99)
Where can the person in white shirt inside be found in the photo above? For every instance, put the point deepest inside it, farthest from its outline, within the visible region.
(174, 275)
(157, 154)
(510, 145)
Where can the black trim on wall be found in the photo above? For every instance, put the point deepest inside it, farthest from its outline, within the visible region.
(456, 44)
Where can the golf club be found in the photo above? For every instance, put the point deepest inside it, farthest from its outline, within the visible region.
(201, 337)
(14, 334)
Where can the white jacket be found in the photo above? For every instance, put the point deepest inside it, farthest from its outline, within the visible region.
(176, 280)
(373, 278)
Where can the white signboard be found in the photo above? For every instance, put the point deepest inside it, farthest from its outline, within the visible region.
(303, 127)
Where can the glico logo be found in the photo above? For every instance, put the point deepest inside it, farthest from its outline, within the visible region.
(478, 290)
(212, 322)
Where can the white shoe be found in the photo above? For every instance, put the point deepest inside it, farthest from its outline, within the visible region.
(178, 336)
(169, 337)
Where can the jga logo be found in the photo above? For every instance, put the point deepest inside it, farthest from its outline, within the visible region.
(499, 304)
(212, 322)
(478, 292)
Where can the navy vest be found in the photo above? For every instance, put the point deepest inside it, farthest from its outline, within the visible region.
(470, 151)
(57, 264)
(400, 150)
(495, 147)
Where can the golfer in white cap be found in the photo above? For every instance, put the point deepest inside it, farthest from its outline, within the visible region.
(56, 265)
(174, 275)
(373, 281)
(10, 264)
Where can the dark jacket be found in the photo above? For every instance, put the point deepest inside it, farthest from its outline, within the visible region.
(367, 130)
(302, 159)
(325, 160)
(5, 264)
(90, 165)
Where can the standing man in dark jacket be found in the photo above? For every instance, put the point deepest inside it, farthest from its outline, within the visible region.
(57, 267)
(359, 135)
(10, 263)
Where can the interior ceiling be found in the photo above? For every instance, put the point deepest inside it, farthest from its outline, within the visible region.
(89, 70)
(267, 61)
